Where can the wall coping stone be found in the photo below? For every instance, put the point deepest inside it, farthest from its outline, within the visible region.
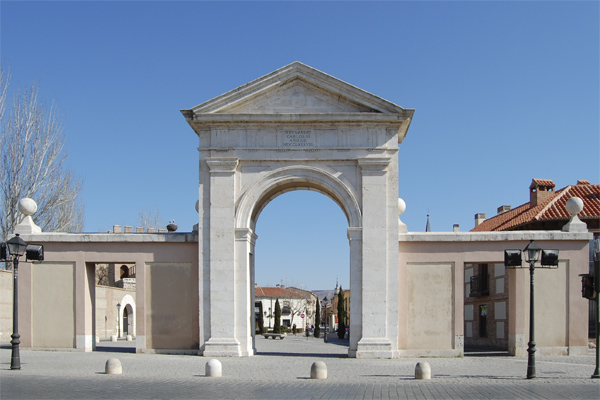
(59, 237)
(502, 236)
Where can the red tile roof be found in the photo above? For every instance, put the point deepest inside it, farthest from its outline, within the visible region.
(275, 292)
(542, 182)
(551, 208)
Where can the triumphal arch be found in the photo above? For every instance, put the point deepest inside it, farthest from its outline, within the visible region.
(297, 129)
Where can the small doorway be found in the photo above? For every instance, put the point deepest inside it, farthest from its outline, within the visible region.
(125, 322)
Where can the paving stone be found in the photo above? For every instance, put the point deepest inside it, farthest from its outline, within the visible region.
(281, 370)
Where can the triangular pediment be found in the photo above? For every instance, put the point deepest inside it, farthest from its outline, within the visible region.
(296, 89)
(294, 97)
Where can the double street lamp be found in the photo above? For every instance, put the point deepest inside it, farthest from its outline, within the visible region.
(512, 260)
(325, 313)
(15, 248)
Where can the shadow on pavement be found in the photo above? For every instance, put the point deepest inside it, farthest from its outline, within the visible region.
(284, 354)
(485, 352)
(111, 349)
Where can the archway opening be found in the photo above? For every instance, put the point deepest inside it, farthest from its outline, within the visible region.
(114, 306)
(301, 255)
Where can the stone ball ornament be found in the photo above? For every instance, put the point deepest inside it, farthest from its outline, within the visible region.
(401, 206)
(574, 205)
(27, 206)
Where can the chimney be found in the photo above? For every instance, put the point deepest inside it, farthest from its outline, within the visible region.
(479, 218)
(540, 190)
(456, 228)
(503, 209)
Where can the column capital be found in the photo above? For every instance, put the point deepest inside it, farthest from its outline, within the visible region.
(373, 165)
(355, 233)
(245, 235)
(222, 165)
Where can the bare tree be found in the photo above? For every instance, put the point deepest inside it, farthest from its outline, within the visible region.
(297, 306)
(32, 164)
(149, 220)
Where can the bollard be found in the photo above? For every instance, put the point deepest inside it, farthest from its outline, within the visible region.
(113, 367)
(318, 370)
(129, 338)
(113, 338)
(97, 339)
(423, 370)
(213, 369)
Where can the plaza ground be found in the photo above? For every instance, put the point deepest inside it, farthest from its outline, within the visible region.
(282, 371)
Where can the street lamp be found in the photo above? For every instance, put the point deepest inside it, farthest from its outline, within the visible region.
(118, 320)
(16, 248)
(325, 313)
(512, 260)
(592, 293)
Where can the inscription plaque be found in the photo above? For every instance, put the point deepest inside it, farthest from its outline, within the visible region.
(298, 139)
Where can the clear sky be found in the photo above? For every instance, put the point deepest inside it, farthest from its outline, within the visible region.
(504, 92)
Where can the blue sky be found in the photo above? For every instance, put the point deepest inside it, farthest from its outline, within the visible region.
(504, 92)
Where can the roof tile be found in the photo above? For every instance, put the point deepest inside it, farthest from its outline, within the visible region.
(551, 208)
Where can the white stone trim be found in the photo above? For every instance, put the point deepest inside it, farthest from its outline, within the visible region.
(253, 201)
(503, 236)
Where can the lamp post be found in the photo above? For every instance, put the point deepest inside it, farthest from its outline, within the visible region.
(270, 316)
(118, 320)
(596, 374)
(325, 313)
(512, 259)
(16, 248)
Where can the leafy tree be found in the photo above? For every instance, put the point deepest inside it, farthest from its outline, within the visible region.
(277, 325)
(260, 321)
(318, 320)
(341, 310)
(32, 164)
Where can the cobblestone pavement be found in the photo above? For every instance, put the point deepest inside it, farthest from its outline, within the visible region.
(282, 371)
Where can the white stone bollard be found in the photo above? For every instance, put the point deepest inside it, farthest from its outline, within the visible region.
(129, 338)
(423, 370)
(113, 367)
(113, 338)
(97, 339)
(318, 370)
(214, 369)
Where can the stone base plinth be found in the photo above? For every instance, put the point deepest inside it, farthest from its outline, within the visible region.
(222, 347)
(374, 348)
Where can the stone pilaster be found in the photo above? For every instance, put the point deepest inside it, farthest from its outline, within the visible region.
(355, 239)
(374, 342)
(244, 272)
(222, 341)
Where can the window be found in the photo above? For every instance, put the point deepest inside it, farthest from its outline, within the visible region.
(480, 282)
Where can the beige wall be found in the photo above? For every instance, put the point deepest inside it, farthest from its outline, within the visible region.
(53, 305)
(431, 307)
(171, 306)
(560, 312)
(171, 259)
(6, 304)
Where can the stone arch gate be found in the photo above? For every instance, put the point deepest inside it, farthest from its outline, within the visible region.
(297, 128)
